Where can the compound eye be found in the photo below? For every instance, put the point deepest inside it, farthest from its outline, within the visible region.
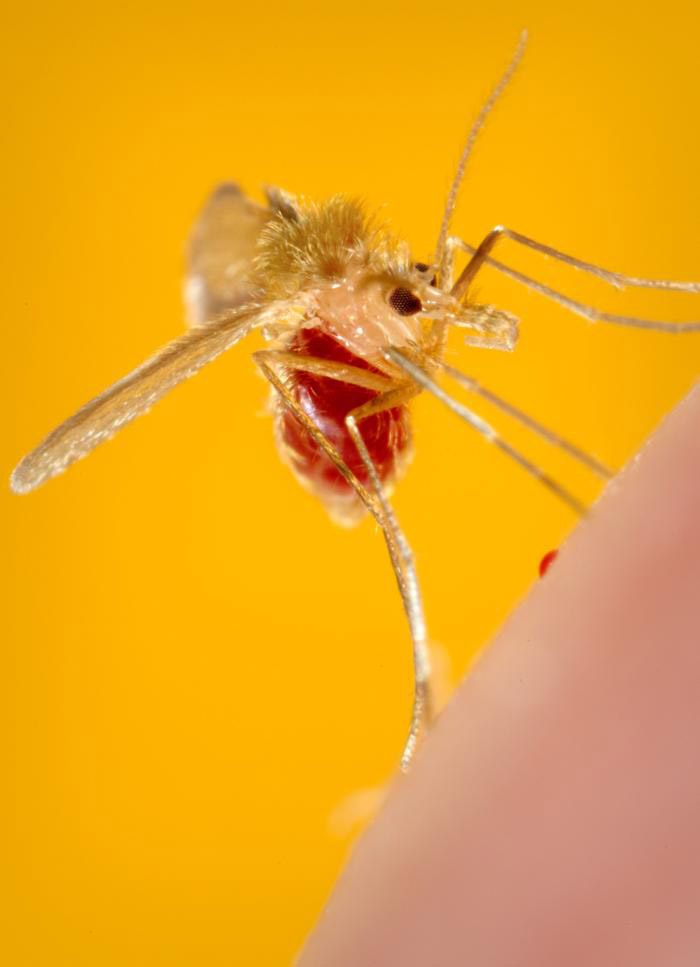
(405, 302)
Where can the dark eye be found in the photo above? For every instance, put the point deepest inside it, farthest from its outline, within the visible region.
(423, 267)
(405, 302)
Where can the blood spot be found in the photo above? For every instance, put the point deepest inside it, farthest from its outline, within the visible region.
(547, 562)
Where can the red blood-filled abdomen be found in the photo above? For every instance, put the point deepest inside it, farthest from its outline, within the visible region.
(327, 402)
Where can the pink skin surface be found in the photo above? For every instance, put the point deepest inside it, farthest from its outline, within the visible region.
(553, 815)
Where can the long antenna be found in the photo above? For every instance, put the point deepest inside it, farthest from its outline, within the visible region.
(473, 135)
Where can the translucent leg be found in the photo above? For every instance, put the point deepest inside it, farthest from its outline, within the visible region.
(480, 257)
(422, 714)
(376, 502)
(574, 451)
(485, 429)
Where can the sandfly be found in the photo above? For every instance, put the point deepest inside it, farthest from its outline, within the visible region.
(356, 328)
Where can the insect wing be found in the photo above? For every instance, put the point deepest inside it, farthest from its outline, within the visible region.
(220, 252)
(133, 395)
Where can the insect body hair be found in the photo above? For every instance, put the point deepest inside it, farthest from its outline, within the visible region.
(320, 243)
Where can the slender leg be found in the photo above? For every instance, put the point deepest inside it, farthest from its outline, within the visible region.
(484, 428)
(576, 452)
(422, 703)
(288, 399)
(478, 257)
(616, 279)
(343, 372)
(481, 257)
(348, 374)
(377, 504)
(369, 500)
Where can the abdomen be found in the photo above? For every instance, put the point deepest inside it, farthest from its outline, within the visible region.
(327, 402)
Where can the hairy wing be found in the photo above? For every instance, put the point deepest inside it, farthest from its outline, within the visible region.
(133, 395)
(220, 251)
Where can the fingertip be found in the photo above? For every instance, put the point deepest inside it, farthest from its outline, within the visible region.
(553, 810)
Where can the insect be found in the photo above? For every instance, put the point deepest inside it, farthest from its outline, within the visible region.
(356, 330)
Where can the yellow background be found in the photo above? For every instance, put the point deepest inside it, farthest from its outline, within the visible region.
(198, 666)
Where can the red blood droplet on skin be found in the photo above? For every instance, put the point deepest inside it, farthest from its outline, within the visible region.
(547, 561)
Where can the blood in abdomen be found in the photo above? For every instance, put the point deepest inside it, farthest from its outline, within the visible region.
(327, 402)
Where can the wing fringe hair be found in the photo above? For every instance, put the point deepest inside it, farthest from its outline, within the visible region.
(131, 396)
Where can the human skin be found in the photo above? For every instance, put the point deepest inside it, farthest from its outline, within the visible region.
(552, 817)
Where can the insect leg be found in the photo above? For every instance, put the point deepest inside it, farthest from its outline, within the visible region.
(616, 279)
(422, 704)
(369, 500)
(399, 551)
(343, 372)
(481, 257)
(484, 428)
(574, 451)
(288, 399)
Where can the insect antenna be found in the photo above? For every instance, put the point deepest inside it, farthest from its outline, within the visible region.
(488, 432)
(471, 139)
